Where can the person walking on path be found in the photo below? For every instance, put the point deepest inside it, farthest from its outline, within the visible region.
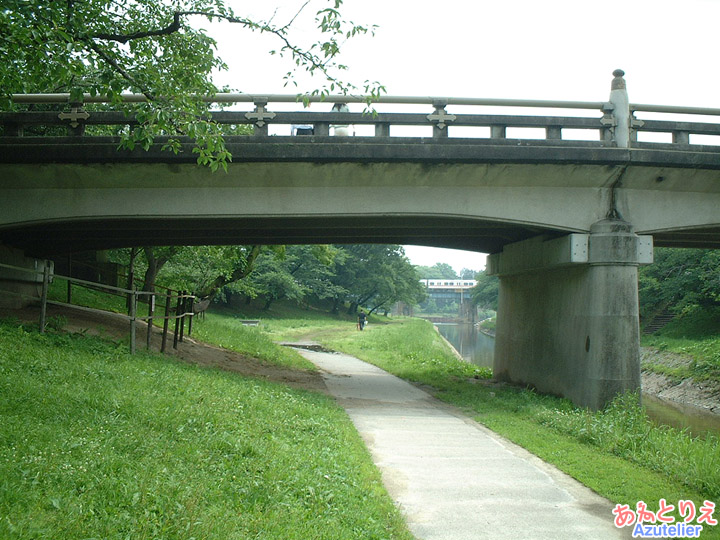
(362, 319)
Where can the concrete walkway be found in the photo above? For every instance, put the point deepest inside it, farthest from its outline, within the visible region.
(452, 478)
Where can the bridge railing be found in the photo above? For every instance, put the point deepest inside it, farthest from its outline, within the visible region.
(614, 122)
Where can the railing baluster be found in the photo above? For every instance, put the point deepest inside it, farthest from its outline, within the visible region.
(498, 132)
(382, 129)
(553, 133)
(321, 129)
(681, 137)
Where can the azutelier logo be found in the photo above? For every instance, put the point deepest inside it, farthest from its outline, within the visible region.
(662, 524)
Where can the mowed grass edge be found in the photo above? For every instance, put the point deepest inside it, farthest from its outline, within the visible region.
(95, 443)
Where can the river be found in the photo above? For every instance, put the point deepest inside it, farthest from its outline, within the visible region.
(478, 348)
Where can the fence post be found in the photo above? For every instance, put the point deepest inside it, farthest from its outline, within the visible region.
(131, 274)
(191, 306)
(43, 296)
(177, 321)
(69, 283)
(133, 311)
(151, 312)
(166, 322)
(182, 319)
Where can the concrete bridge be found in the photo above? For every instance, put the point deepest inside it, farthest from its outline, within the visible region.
(567, 220)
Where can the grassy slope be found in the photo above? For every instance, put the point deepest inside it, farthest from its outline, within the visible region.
(696, 333)
(95, 443)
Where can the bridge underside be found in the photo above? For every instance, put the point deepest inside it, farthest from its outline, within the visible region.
(57, 238)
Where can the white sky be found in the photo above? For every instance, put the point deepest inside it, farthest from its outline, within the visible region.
(524, 49)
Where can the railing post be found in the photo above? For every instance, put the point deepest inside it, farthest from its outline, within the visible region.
(553, 133)
(321, 129)
(440, 119)
(166, 322)
(151, 312)
(191, 304)
(131, 274)
(177, 320)
(259, 117)
(498, 132)
(69, 283)
(382, 130)
(621, 110)
(75, 128)
(183, 308)
(133, 313)
(681, 137)
(44, 295)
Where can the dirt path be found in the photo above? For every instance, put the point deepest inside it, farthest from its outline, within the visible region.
(116, 327)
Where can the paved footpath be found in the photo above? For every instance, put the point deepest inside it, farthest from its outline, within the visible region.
(453, 478)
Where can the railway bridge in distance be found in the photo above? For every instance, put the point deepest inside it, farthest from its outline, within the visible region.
(568, 203)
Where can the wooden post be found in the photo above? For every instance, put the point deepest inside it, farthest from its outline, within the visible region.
(131, 275)
(43, 296)
(133, 311)
(191, 305)
(182, 319)
(69, 283)
(177, 321)
(165, 322)
(151, 312)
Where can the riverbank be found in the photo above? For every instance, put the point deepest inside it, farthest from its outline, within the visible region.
(657, 367)
(666, 375)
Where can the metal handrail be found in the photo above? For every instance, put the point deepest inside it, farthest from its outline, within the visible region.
(397, 100)
(110, 289)
(334, 98)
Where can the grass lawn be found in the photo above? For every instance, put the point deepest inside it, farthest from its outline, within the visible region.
(95, 443)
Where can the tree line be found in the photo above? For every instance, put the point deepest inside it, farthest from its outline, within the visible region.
(679, 279)
(342, 276)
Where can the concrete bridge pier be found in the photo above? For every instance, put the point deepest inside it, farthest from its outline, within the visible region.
(19, 288)
(568, 320)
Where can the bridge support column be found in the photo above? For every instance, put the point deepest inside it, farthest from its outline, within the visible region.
(17, 287)
(568, 313)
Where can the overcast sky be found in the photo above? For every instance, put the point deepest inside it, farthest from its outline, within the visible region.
(524, 49)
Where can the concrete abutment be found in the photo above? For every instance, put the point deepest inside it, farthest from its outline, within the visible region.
(568, 313)
(19, 288)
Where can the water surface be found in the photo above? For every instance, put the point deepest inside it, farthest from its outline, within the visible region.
(478, 348)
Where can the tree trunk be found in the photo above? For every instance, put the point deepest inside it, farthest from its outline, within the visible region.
(239, 273)
(155, 264)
